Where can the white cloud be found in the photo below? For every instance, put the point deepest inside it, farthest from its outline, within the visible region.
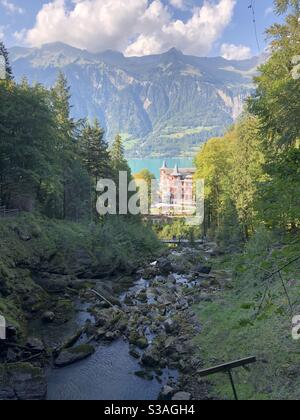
(235, 52)
(96, 25)
(11, 7)
(178, 4)
(20, 35)
(136, 27)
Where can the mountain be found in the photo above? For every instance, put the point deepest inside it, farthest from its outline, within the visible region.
(163, 105)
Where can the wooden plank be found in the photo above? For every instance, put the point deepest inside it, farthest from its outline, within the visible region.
(225, 367)
(8, 213)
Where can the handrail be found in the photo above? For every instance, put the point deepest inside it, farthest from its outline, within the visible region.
(4, 212)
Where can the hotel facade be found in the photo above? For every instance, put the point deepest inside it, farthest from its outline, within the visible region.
(177, 195)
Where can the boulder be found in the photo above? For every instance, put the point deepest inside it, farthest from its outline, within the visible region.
(108, 317)
(164, 299)
(164, 266)
(202, 269)
(151, 358)
(182, 396)
(179, 268)
(148, 376)
(23, 236)
(172, 279)
(22, 381)
(48, 317)
(70, 356)
(100, 332)
(12, 355)
(11, 332)
(149, 273)
(142, 343)
(111, 336)
(134, 353)
(53, 283)
(171, 326)
(35, 345)
(166, 393)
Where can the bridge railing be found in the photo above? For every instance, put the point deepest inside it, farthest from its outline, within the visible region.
(4, 212)
(182, 241)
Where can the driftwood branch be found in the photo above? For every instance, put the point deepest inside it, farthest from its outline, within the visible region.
(101, 297)
(104, 298)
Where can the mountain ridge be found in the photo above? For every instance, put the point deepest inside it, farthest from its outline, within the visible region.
(163, 105)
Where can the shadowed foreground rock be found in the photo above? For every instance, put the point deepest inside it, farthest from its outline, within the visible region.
(22, 381)
(182, 396)
(70, 356)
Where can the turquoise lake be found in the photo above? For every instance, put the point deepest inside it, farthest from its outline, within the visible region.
(154, 165)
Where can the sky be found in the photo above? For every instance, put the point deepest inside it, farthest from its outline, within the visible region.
(140, 27)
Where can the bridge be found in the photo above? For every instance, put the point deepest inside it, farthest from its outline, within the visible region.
(182, 241)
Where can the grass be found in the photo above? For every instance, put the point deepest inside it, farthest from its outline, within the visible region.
(233, 330)
(171, 134)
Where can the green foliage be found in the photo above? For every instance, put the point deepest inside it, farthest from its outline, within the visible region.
(232, 168)
(213, 165)
(146, 176)
(277, 105)
(179, 229)
(49, 161)
(277, 98)
(117, 155)
(252, 174)
(283, 5)
(28, 144)
(94, 149)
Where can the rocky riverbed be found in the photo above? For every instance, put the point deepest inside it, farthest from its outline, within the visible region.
(153, 319)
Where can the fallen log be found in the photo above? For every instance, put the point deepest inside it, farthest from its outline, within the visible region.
(105, 300)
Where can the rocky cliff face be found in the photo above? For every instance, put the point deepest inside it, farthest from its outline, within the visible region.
(163, 105)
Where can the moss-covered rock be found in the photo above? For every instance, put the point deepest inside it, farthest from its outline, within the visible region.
(73, 355)
(22, 381)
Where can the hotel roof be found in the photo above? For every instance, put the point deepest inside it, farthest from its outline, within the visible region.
(179, 171)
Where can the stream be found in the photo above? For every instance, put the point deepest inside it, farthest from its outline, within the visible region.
(160, 310)
(109, 374)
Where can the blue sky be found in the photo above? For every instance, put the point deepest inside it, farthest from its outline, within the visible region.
(139, 27)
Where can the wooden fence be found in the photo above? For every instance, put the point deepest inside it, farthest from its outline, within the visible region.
(4, 212)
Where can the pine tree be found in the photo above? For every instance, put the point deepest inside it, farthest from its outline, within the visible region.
(61, 98)
(95, 158)
(67, 132)
(4, 53)
(117, 155)
(119, 164)
(94, 150)
(27, 146)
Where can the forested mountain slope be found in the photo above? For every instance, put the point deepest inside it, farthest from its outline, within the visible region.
(163, 105)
